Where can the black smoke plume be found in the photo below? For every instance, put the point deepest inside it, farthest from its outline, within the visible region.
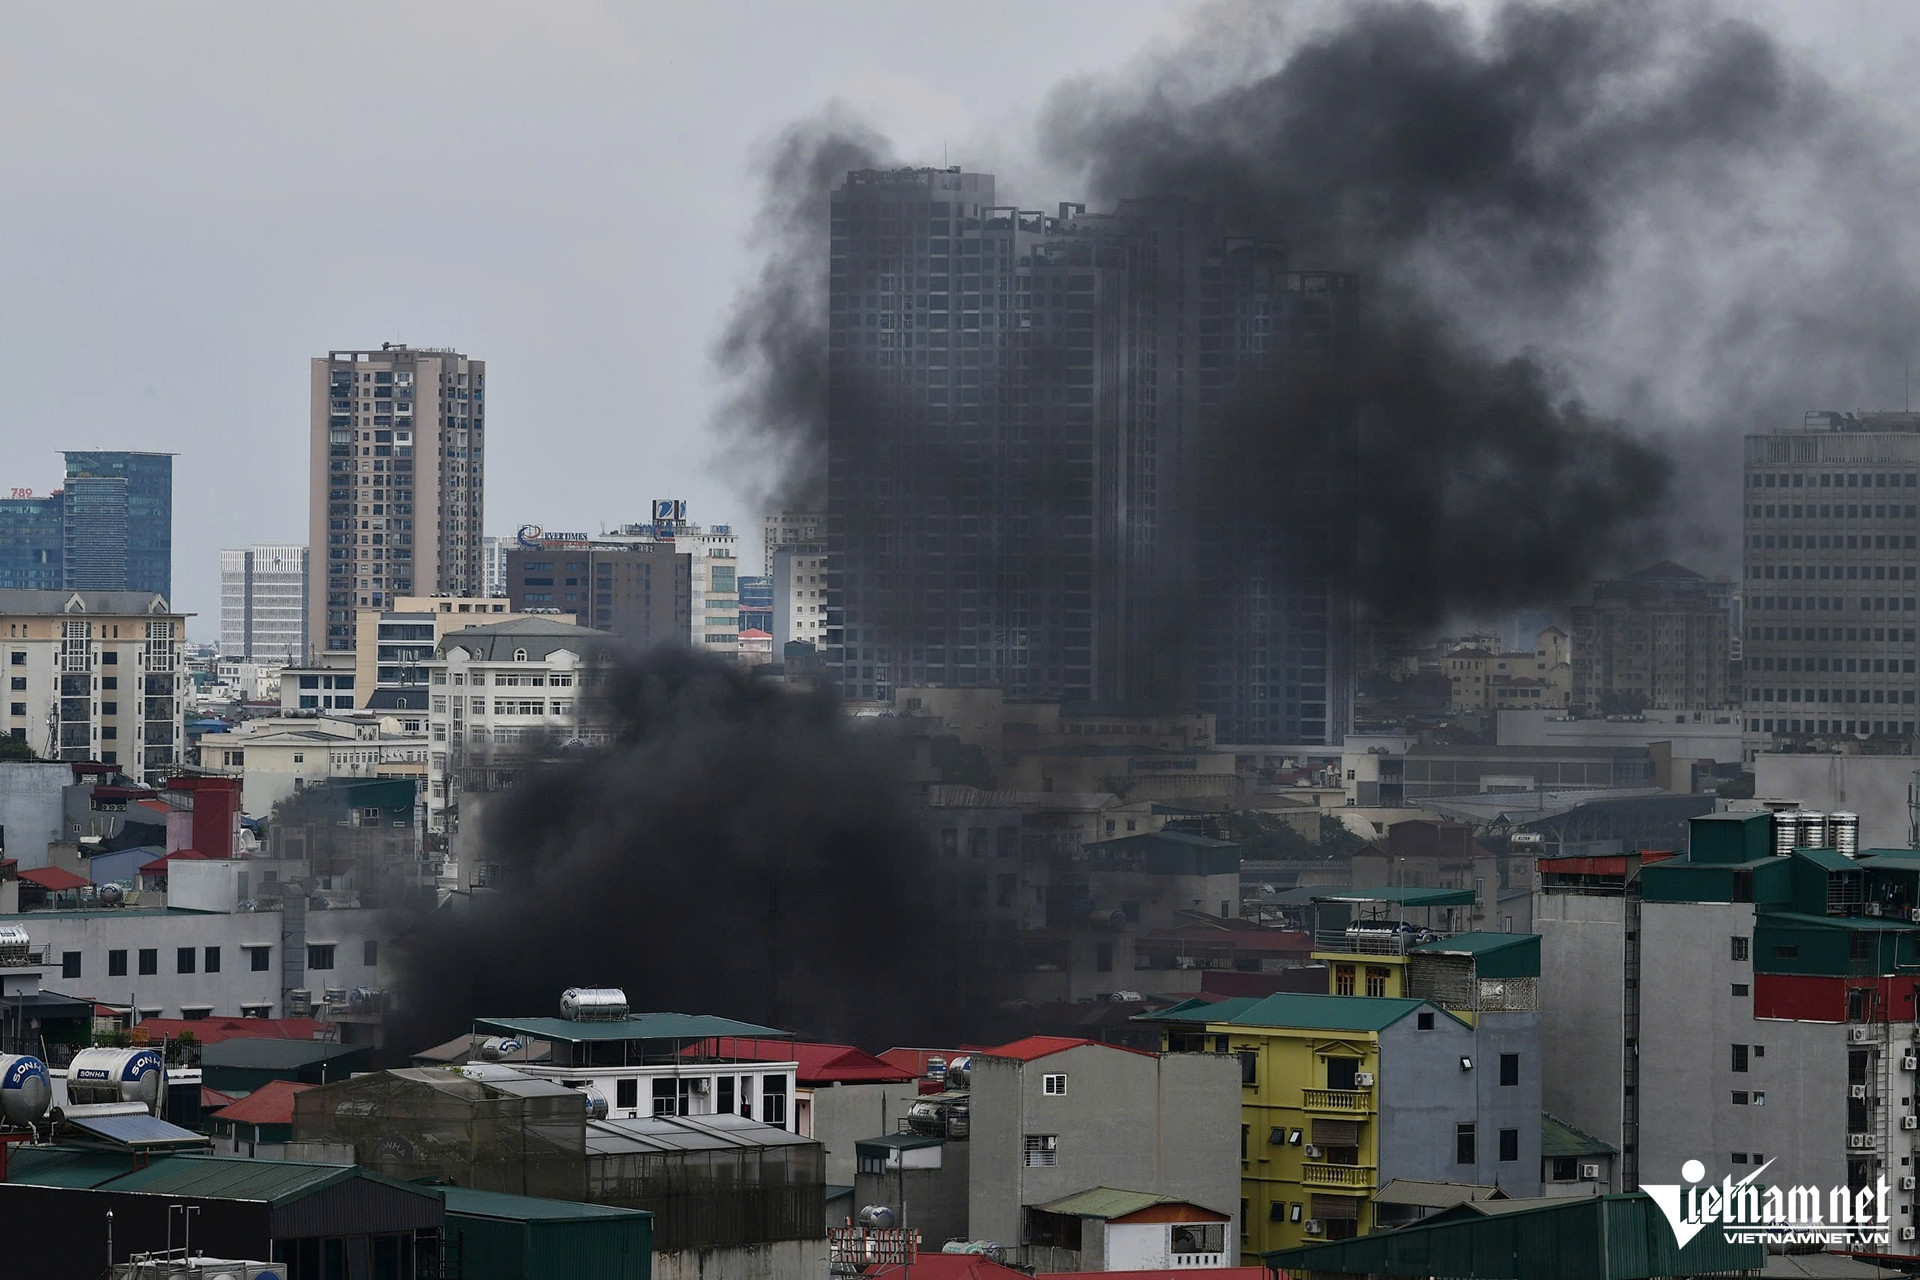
(1595, 241)
(737, 848)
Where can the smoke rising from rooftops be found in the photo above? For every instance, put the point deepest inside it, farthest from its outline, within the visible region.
(1594, 241)
(737, 848)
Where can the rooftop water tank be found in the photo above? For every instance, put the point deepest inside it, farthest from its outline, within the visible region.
(25, 1088)
(115, 1075)
(593, 1004)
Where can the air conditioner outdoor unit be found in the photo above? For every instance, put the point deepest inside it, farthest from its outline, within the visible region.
(1914, 915)
(1314, 1228)
(1860, 1142)
(1910, 1122)
(1859, 1035)
(1364, 1079)
(1313, 1152)
(1908, 1182)
(1858, 1092)
(1874, 908)
(1591, 1172)
(701, 1084)
(1910, 1062)
(1906, 1233)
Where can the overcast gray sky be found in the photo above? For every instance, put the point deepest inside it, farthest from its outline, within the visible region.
(196, 198)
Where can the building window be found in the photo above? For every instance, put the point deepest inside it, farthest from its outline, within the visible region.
(212, 960)
(1739, 1057)
(1423, 1021)
(1376, 980)
(195, 1012)
(1509, 1144)
(184, 960)
(626, 1094)
(320, 957)
(1343, 1073)
(1509, 1068)
(258, 958)
(870, 1165)
(666, 1096)
(1739, 1098)
(116, 964)
(149, 961)
(1039, 1150)
(371, 953)
(773, 1100)
(1249, 1066)
(1052, 1086)
(1740, 950)
(1565, 1169)
(70, 964)
(1343, 980)
(1741, 990)
(1103, 957)
(1463, 1152)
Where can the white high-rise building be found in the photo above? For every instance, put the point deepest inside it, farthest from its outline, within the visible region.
(263, 604)
(789, 529)
(493, 565)
(397, 483)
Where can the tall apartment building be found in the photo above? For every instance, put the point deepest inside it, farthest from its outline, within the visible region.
(118, 521)
(1833, 506)
(1660, 639)
(800, 601)
(263, 604)
(638, 590)
(96, 675)
(397, 482)
(786, 529)
(1013, 401)
(493, 565)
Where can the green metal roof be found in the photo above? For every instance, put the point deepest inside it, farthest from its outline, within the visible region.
(276, 1182)
(277, 1055)
(65, 1166)
(1290, 1009)
(641, 1026)
(468, 1203)
(1477, 944)
(1406, 897)
(1828, 859)
(1865, 924)
(900, 1142)
(1108, 1203)
(1558, 1138)
(1890, 859)
(1616, 1237)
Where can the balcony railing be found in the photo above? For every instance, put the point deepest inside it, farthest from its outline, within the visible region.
(1356, 1176)
(1373, 942)
(1342, 1100)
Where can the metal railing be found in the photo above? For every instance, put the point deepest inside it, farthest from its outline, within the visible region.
(1338, 1175)
(1373, 942)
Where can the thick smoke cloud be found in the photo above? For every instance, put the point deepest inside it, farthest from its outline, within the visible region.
(738, 849)
(1597, 240)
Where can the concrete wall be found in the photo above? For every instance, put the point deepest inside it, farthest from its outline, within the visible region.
(32, 809)
(1514, 1106)
(843, 1114)
(1423, 1094)
(1582, 1008)
(1163, 1123)
(785, 1260)
(1701, 735)
(935, 1200)
(1689, 1021)
(1875, 787)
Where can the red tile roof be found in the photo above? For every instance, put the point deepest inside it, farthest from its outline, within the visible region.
(949, 1266)
(214, 1030)
(158, 867)
(1184, 1273)
(213, 1099)
(54, 878)
(819, 1063)
(271, 1103)
(1043, 1046)
(914, 1061)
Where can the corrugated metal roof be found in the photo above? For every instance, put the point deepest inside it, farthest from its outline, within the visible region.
(900, 1142)
(1829, 859)
(1291, 1009)
(469, 1203)
(1432, 1195)
(685, 1133)
(233, 1178)
(271, 1103)
(1558, 1138)
(1108, 1203)
(1616, 1237)
(641, 1026)
(1405, 897)
(276, 1055)
(1477, 944)
(64, 1166)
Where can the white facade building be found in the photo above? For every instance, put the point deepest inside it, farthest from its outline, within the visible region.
(263, 604)
(799, 596)
(275, 758)
(96, 675)
(789, 529)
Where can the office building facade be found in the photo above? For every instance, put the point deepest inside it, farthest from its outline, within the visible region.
(397, 482)
(1831, 531)
(1013, 440)
(263, 604)
(640, 591)
(1660, 640)
(32, 541)
(118, 521)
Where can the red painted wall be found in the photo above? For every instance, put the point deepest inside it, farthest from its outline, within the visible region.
(216, 812)
(1807, 998)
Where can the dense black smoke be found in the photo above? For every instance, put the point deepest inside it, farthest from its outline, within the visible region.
(739, 848)
(1595, 241)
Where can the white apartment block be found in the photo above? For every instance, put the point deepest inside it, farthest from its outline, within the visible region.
(502, 691)
(799, 576)
(397, 482)
(96, 675)
(263, 604)
(276, 758)
(789, 529)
